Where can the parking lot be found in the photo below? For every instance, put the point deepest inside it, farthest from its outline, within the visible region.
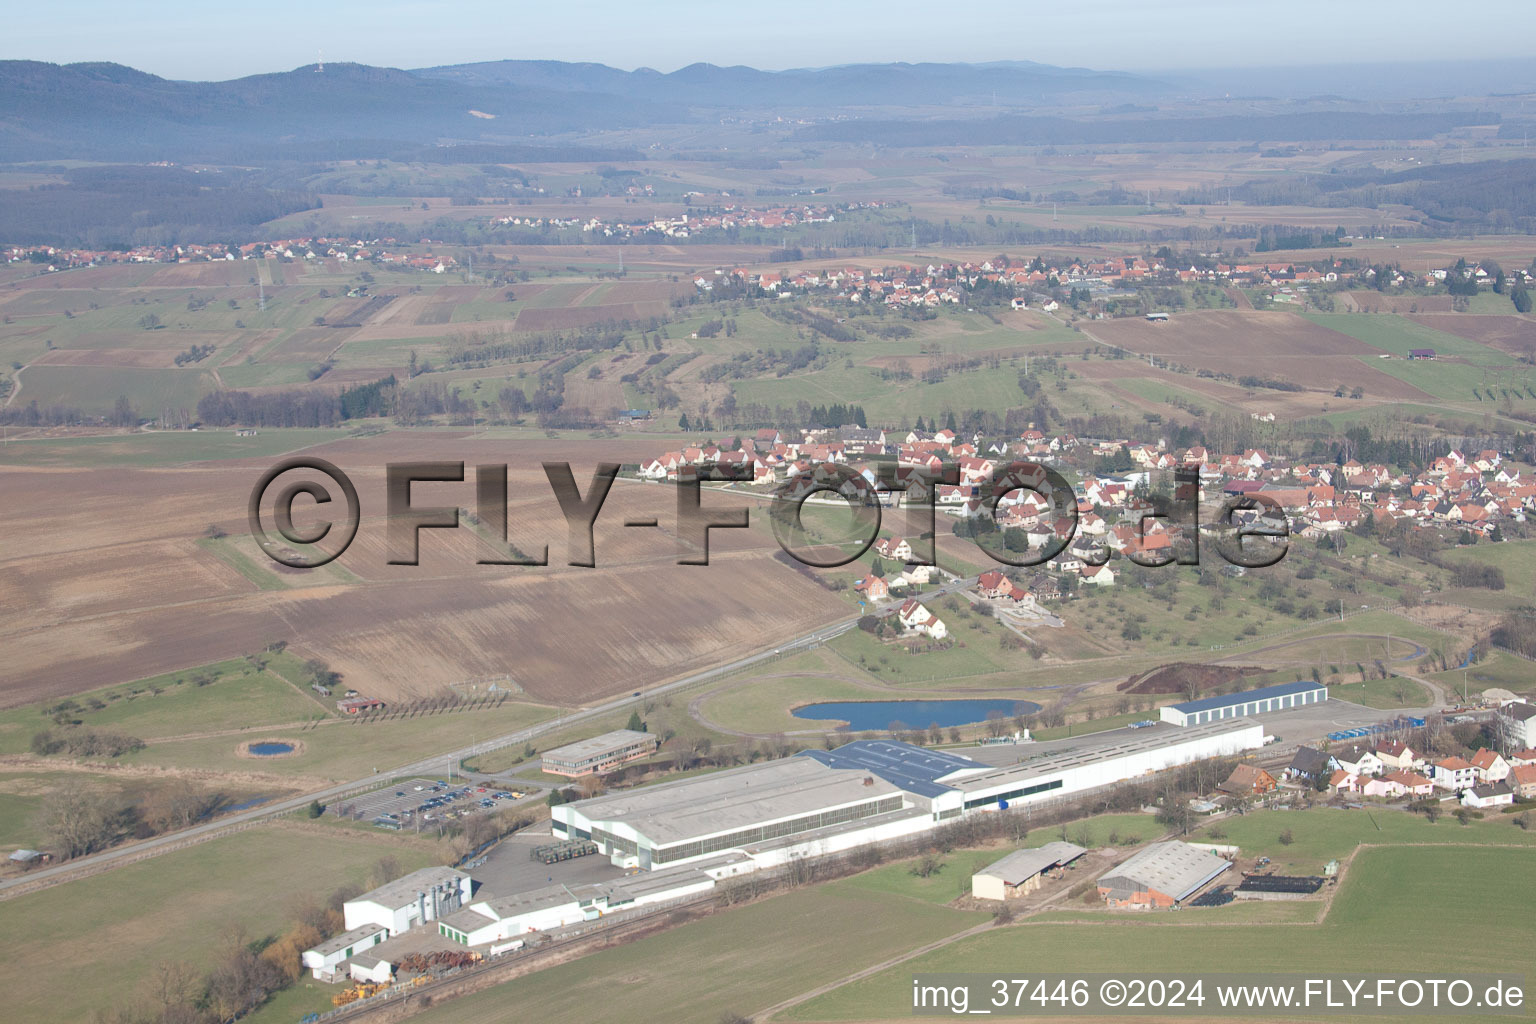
(509, 868)
(423, 803)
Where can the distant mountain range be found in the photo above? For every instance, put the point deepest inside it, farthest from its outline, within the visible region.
(850, 85)
(108, 111)
(507, 111)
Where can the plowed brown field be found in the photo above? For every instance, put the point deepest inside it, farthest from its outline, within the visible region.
(1266, 344)
(103, 579)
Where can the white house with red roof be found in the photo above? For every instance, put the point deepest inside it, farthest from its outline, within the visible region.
(1453, 773)
(1490, 766)
(914, 618)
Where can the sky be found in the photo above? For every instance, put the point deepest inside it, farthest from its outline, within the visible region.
(216, 41)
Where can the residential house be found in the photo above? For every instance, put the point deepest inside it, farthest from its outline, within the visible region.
(1098, 575)
(1519, 720)
(1490, 766)
(1358, 759)
(1342, 781)
(1395, 754)
(917, 619)
(1307, 764)
(1522, 779)
(1396, 784)
(1248, 780)
(873, 587)
(994, 585)
(1489, 794)
(1453, 773)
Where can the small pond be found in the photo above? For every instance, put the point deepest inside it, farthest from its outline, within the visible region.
(862, 715)
(270, 748)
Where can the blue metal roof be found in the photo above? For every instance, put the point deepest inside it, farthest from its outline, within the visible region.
(904, 765)
(1262, 693)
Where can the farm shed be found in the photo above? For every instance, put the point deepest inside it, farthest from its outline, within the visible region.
(324, 958)
(1160, 876)
(1020, 872)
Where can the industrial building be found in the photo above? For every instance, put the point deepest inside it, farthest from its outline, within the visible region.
(1022, 871)
(1160, 876)
(821, 802)
(498, 920)
(417, 898)
(771, 811)
(600, 753)
(683, 838)
(323, 960)
(1249, 702)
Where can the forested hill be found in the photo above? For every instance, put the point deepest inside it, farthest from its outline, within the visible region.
(849, 85)
(107, 111)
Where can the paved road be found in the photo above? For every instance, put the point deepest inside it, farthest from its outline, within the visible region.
(440, 762)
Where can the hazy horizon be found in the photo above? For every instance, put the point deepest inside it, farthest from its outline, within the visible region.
(181, 40)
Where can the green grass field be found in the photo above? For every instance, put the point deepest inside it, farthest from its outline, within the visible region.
(1464, 371)
(890, 663)
(176, 907)
(173, 704)
(1381, 907)
(1383, 693)
(164, 448)
(150, 392)
(735, 961)
(1501, 670)
(343, 750)
(1326, 833)
(747, 958)
(1397, 335)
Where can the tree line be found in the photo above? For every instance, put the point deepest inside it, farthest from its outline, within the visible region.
(294, 408)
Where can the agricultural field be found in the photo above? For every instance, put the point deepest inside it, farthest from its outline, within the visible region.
(1284, 346)
(1459, 875)
(226, 696)
(130, 554)
(854, 925)
(1326, 833)
(121, 915)
(1458, 885)
(1463, 371)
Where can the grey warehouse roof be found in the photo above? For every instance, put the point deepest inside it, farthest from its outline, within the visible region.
(901, 764)
(734, 799)
(1140, 741)
(1262, 693)
(1022, 864)
(596, 745)
(1171, 868)
(337, 943)
(402, 891)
